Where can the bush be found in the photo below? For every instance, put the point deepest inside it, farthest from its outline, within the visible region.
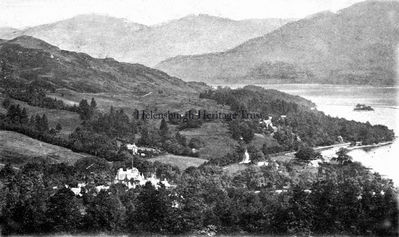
(306, 153)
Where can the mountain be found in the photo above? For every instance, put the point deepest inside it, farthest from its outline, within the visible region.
(103, 36)
(355, 46)
(26, 59)
(7, 32)
(91, 34)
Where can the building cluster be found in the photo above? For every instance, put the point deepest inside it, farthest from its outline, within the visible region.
(141, 151)
(129, 177)
(132, 177)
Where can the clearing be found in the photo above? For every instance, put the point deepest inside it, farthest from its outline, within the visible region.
(183, 162)
(17, 149)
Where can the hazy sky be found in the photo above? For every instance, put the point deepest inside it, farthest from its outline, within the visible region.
(22, 13)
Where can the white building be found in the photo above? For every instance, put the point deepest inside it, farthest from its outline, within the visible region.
(268, 123)
(133, 148)
(132, 177)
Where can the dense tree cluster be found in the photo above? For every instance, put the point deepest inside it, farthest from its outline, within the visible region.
(98, 136)
(19, 118)
(242, 130)
(249, 99)
(300, 124)
(230, 158)
(34, 94)
(317, 129)
(306, 153)
(343, 198)
(187, 120)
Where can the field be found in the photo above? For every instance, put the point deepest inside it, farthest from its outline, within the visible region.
(183, 162)
(216, 137)
(233, 169)
(17, 149)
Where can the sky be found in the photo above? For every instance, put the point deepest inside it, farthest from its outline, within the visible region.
(25, 13)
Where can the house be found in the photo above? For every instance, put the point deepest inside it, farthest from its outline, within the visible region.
(78, 190)
(128, 174)
(267, 123)
(262, 163)
(133, 148)
(194, 151)
(141, 150)
(132, 177)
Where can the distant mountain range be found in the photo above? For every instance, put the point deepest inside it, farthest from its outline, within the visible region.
(103, 36)
(356, 45)
(26, 59)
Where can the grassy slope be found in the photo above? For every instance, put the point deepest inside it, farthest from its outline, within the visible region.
(183, 162)
(17, 149)
(130, 101)
(68, 120)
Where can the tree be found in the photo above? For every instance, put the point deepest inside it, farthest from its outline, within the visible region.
(153, 209)
(196, 143)
(306, 153)
(24, 116)
(52, 131)
(85, 110)
(58, 127)
(63, 211)
(163, 129)
(342, 157)
(181, 139)
(32, 121)
(247, 133)
(44, 123)
(38, 122)
(14, 114)
(105, 213)
(255, 154)
(145, 137)
(93, 103)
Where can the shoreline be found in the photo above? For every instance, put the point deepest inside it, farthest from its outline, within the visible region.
(381, 144)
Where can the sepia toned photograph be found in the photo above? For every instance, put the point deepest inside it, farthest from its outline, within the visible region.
(242, 118)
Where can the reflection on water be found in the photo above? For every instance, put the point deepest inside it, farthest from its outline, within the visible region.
(339, 101)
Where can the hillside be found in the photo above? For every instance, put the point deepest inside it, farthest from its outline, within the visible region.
(130, 42)
(17, 149)
(354, 46)
(26, 59)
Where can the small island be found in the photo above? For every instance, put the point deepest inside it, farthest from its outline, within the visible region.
(363, 107)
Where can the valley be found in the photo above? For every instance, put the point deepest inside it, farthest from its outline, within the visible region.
(76, 158)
